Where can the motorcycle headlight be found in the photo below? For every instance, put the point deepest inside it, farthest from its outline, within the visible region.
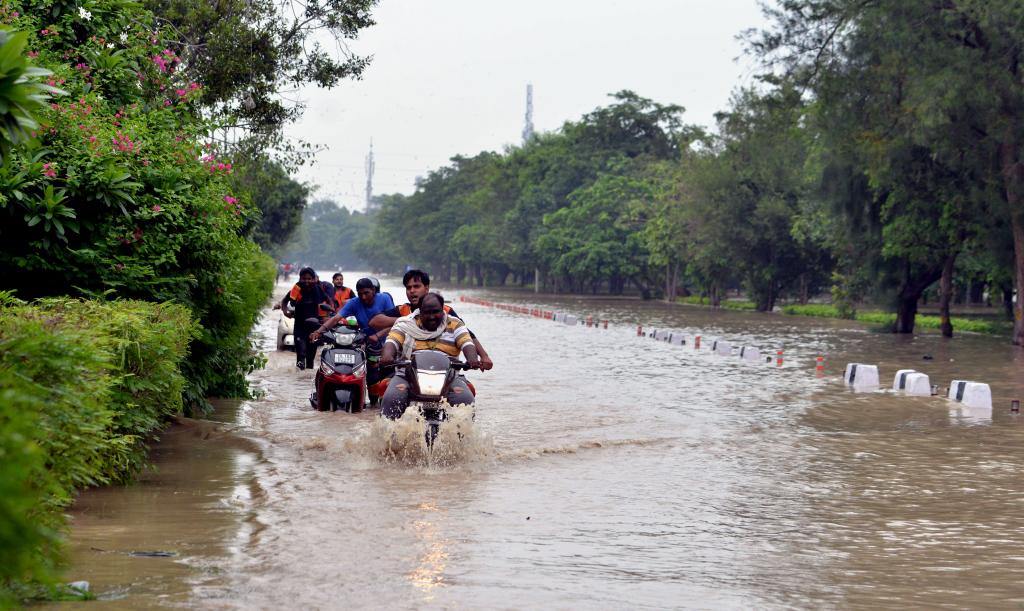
(344, 339)
(430, 382)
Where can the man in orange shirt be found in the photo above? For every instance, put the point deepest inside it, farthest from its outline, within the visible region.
(342, 293)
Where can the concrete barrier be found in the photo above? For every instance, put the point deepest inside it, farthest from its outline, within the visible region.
(677, 339)
(722, 347)
(971, 394)
(912, 382)
(749, 353)
(861, 376)
(570, 319)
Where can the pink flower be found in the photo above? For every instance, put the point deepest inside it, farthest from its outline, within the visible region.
(181, 92)
(156, 208)
(119, 266)
(49, 171)
(230, 200)
(167, 102)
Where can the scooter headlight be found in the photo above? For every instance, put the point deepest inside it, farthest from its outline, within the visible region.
(344, 339)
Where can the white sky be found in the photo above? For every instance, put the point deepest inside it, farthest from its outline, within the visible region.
(449, 77)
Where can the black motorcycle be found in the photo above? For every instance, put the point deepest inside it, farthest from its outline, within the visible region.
(430, 374)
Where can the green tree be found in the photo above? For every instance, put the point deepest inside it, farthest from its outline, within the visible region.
(248, 53)
(912, 71)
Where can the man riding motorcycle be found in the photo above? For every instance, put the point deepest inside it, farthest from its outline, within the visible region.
(431, 329)
(417, 284)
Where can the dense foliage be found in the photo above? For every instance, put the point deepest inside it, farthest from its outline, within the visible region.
(868, 163)
(83, 384)
(119, 195)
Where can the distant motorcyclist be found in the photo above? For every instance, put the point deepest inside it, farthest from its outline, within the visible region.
(312, 300)
(430, 329)
(417, 284)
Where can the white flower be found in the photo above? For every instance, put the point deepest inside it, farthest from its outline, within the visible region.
(110, 45)
(84, 14)
(124, 38)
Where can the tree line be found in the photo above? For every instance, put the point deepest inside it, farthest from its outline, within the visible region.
(879, 155)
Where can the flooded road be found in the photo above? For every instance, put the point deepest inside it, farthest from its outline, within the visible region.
(603, 470)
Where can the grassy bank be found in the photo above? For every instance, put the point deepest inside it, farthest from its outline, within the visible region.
(874, 317)
(83, 386)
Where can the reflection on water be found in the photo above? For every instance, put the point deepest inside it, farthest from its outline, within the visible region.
(429, 575)
(602, 470)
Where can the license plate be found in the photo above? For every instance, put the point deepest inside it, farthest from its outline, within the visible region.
(344, 358)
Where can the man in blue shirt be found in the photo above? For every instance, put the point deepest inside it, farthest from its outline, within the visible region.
(369, 304)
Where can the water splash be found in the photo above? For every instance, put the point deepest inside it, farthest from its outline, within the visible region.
(459, 442)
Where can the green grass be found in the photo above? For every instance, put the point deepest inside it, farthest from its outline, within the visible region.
(874, 317)
(734, 304)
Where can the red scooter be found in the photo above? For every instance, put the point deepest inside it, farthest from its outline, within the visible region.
(345, 381)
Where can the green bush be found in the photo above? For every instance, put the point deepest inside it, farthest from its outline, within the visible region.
(83, 385)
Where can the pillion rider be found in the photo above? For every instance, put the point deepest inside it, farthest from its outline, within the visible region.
(313, 300)
(417, 284)
(430, 329)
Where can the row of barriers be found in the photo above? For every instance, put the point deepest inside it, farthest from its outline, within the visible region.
(858, 376)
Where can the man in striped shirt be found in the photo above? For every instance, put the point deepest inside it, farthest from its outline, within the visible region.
(431, 329)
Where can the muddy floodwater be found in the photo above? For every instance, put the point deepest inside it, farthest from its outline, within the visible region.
(603, 470)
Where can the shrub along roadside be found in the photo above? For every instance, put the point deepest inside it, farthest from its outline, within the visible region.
(83, 386)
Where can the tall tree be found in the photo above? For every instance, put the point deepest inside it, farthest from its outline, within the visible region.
(898, 83)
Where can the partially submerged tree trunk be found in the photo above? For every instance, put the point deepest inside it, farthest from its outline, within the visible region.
(946, 294)
(911, 289)
(671, 282)
(715, 294)
(1013, 178)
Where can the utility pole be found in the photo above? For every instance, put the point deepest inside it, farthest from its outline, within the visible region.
(369, 177)
(528, 128)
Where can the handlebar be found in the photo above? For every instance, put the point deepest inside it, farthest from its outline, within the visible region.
(456, 364)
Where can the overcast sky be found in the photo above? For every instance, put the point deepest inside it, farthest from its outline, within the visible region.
(449, 77)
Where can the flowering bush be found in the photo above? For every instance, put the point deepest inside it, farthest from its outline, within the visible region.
(120, 193)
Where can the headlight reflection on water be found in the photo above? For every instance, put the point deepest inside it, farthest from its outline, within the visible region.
(429, 574)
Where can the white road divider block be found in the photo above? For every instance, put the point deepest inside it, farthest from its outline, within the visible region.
(861, 376)
(900, 381)
(918, 385)
(721, 347)
(971, 394)
(569, 319)
(677, 339)
(661, 335)
(749, 353)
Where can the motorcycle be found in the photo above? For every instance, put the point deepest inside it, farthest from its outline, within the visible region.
(430, 374)
(344, 381)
